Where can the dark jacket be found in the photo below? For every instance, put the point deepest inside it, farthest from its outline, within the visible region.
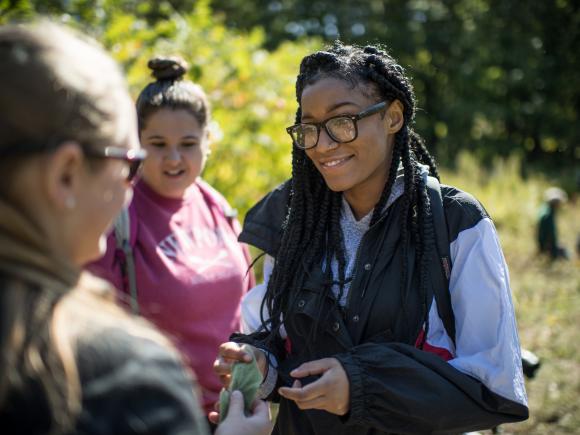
(547, 235)
(130, 384)
(394, 387)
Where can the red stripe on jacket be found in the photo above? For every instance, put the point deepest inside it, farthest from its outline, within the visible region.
(441, 352)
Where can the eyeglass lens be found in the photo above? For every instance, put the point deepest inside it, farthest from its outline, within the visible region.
(340, 129)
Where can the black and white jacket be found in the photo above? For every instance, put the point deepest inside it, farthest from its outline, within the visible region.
(473, 383)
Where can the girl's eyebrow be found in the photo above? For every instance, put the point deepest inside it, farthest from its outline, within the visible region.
(188, 136)
(340, 104)
(334, 107)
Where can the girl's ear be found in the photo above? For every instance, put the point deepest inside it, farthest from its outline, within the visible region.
(395, 118)
(63, 176)
(212, 132)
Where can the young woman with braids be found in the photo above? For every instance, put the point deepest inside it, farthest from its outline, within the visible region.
(350, 339)
(71, 361)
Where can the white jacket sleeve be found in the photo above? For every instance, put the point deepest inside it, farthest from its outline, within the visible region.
(487, 343)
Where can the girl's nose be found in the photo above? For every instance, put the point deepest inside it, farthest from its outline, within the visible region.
(173, 154)
(325, 142)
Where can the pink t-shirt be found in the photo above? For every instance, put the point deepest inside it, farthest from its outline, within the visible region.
(190, 273)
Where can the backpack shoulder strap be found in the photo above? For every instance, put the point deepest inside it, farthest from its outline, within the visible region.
(124, 244)
(441, 270)
(214, 200)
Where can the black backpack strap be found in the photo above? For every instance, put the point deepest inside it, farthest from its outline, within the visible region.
(123, 238)
(441, 270)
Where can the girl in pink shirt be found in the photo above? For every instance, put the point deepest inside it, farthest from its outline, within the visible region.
(191, 272)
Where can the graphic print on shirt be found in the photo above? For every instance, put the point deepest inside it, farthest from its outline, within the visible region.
(204, 250)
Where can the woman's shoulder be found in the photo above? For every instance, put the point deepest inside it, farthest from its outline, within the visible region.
(462, 210)
(129, 371)
(109, 349)
(106, 337)
(263, 222)
(208, 189)
(214, 197)
(127, 377)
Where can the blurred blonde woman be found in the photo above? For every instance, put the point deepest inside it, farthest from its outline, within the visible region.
(72, 362)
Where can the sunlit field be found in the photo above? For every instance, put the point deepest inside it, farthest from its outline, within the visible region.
(546, 294)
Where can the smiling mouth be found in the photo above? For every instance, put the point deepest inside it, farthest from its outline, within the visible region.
(174, 172)
(335, 162)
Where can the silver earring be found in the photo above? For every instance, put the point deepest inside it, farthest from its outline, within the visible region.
(70, 202)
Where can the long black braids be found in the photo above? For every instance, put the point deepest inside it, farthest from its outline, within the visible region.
(416, 211)
(312, 230)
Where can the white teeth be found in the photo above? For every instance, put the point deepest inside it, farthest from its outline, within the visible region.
(174, 172)
(334, 162)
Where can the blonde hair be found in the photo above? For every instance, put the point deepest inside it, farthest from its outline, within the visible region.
(55, 86)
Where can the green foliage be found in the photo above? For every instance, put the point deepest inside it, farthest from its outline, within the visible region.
(251, 91)
(492, 76)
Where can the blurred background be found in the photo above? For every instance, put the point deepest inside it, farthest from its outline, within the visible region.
(498, 85)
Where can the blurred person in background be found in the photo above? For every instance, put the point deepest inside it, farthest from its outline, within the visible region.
(189, 270)
(71, 360)
(547, 228)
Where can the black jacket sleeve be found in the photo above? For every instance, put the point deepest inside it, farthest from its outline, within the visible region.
(263, 222)
(397, 388)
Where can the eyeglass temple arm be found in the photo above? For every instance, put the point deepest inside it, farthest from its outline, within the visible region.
(372, 110)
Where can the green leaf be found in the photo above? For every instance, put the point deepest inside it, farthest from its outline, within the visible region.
(246, 378)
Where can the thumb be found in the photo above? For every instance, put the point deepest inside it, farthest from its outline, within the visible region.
(236, 404)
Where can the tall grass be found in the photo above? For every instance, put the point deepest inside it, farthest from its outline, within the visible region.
(546, 294)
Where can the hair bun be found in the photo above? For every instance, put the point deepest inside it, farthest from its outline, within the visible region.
(168, 68)
(370, 49)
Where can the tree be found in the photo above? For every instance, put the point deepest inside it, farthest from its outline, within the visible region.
(250, 88)
(493, 77)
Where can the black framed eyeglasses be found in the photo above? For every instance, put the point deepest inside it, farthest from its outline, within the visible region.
(134, 158)
(341, 128)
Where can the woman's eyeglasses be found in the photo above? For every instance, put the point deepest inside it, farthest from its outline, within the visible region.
(134, 158)
(341, 128)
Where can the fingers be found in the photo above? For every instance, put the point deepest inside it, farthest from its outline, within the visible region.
(323, 401)
(236, 408)
(309, 392)
(214, 417)
(330, 392)
(222, 367)
(313, 368)
(231, 352)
